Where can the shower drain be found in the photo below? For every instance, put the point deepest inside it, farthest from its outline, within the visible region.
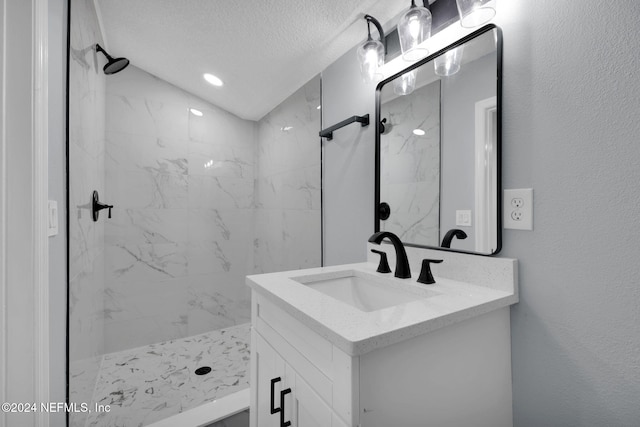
(204, 370)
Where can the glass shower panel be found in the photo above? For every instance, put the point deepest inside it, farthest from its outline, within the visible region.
(201, 199)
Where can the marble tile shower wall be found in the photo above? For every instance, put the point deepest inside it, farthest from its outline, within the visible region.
(288, 232)
(86, 238)
(182, 233)
(410, 165)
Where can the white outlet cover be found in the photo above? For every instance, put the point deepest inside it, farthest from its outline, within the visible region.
(524, 212)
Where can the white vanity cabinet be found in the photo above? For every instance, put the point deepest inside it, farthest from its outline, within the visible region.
(280, 386)
(454, 376)
(296, 359)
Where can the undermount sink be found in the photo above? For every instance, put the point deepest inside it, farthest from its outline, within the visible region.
(363, 291)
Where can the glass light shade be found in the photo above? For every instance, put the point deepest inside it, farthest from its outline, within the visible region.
(414, 28)
(449, 63)
(474, 13)
(371, 57)
(405, 84)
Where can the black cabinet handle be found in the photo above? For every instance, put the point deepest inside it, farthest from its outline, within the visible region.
(283, 393)
(274, 410)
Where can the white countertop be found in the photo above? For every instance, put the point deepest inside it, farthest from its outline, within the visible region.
(357, 332)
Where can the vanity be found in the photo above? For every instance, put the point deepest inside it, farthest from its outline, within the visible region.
(386, 351)
(348, 346)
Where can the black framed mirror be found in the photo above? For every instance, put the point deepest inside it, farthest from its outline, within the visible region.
(438, 148)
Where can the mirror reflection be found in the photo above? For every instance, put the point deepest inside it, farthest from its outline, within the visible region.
(439, 144)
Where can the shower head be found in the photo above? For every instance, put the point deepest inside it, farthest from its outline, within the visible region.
(114, 65)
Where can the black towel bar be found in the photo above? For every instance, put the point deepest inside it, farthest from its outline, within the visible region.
(328, 132)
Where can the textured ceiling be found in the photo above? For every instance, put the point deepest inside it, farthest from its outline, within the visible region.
(262, 50)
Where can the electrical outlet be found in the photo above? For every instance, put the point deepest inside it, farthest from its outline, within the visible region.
(518, 209)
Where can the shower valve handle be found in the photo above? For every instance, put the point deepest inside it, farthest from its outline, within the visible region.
(96, 206)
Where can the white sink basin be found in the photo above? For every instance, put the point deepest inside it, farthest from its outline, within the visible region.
(364, 291)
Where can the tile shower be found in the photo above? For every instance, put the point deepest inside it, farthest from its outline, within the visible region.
(199, 202)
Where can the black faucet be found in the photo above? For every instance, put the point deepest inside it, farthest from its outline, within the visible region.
(402, 263)
(456, 232)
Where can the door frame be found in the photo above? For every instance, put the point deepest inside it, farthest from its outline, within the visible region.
(486, 166)
(24, 260)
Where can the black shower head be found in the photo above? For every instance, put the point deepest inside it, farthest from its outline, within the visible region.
(114, 65)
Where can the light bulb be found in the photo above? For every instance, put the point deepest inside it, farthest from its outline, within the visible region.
(371, 55)
(414, 27)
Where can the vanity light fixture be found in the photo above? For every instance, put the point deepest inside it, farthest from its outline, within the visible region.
(371, 52)
(474, 13)
(195, 112)
(414, 28)
(448, 63)
(211, 79)
(405, 84)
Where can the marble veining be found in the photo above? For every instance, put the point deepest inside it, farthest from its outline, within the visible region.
(183, 190)
(86, 173)
(410, 165)
(287, 215)
(146, 384)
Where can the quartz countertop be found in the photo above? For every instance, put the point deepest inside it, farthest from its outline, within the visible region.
(357, 332)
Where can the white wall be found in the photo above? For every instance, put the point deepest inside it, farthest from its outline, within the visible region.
(348, 162)
(570, 130)
(16, 168)
(571, 90)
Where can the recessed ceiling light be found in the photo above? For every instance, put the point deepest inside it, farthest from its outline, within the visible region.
(418, 132)
(213, 79)
(319, 107)
(196, 112)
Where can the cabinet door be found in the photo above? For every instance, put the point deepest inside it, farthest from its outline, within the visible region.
(302, 405)
(309, 410)
(269, 367)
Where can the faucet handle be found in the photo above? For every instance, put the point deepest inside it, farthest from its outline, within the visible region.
(425, 273)
(383, 267)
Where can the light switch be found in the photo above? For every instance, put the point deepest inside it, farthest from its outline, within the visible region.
(53, 218)
(463, 218)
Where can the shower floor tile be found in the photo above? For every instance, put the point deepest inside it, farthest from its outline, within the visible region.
(149, 383)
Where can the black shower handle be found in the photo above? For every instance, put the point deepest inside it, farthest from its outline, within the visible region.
(96, 206)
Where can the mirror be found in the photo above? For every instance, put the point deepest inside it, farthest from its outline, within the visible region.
(438, 148)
